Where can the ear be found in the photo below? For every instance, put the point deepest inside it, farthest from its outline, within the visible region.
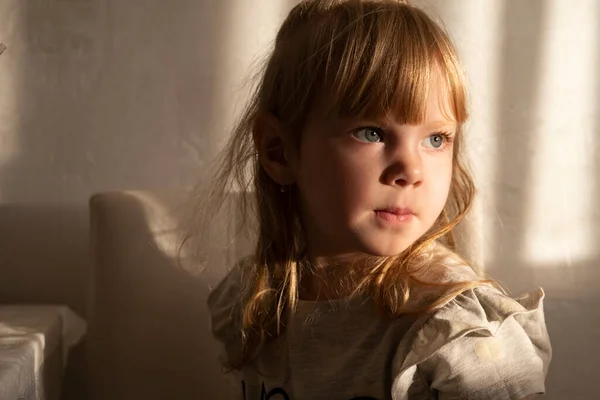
(274, 149)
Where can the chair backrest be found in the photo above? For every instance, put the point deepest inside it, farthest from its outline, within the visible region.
(149, 333)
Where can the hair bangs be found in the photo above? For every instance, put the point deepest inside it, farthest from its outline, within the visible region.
(384, 64)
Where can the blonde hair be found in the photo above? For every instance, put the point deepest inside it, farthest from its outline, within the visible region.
(355, 58)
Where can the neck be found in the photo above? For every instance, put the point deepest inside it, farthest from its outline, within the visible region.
(330, 277)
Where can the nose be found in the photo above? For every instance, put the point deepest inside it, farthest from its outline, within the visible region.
(406, 169)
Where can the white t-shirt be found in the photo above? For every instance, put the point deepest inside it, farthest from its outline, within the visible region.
(479, 345)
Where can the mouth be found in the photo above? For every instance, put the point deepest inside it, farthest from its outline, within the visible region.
(395, 214)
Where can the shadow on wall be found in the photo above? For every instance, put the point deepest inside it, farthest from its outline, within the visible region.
(42, 251)
(149, 331)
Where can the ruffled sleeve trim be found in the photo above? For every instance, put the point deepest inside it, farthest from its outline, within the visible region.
(479, 312)
(224, 304)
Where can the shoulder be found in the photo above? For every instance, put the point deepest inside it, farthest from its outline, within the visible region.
(230, 286)
(482, 344)
(224, 301)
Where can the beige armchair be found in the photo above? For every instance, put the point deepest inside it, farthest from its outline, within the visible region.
(149, 334)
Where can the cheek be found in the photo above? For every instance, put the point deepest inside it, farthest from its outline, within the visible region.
(317, 181)
(331, 183)
(441, 188)
(438, 177)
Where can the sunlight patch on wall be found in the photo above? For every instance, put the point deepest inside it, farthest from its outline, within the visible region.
(166, 220)
(10, 75)
(244, 44)
(12, 30)
(246, 39)
(558, 224)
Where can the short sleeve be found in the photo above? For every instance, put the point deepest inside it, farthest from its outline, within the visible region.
(481, 345)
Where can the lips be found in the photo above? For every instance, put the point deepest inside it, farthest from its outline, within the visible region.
(397, 211)
(395, 214)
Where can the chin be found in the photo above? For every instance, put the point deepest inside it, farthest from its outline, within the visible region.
(376, 249)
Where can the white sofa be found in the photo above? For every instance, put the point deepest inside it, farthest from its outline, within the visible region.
(148, 324)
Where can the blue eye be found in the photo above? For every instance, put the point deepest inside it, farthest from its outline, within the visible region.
(436, 140)
(369, 135)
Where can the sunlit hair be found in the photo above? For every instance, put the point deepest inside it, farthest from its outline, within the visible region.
(371, 58)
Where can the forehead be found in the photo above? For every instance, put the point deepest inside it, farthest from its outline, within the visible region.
(439, 106)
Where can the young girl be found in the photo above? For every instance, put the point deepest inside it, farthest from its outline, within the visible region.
(352, 147)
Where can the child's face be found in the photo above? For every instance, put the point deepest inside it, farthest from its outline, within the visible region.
(373, 187)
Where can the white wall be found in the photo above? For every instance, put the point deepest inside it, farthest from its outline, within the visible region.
(100, 95)
(103, 95)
